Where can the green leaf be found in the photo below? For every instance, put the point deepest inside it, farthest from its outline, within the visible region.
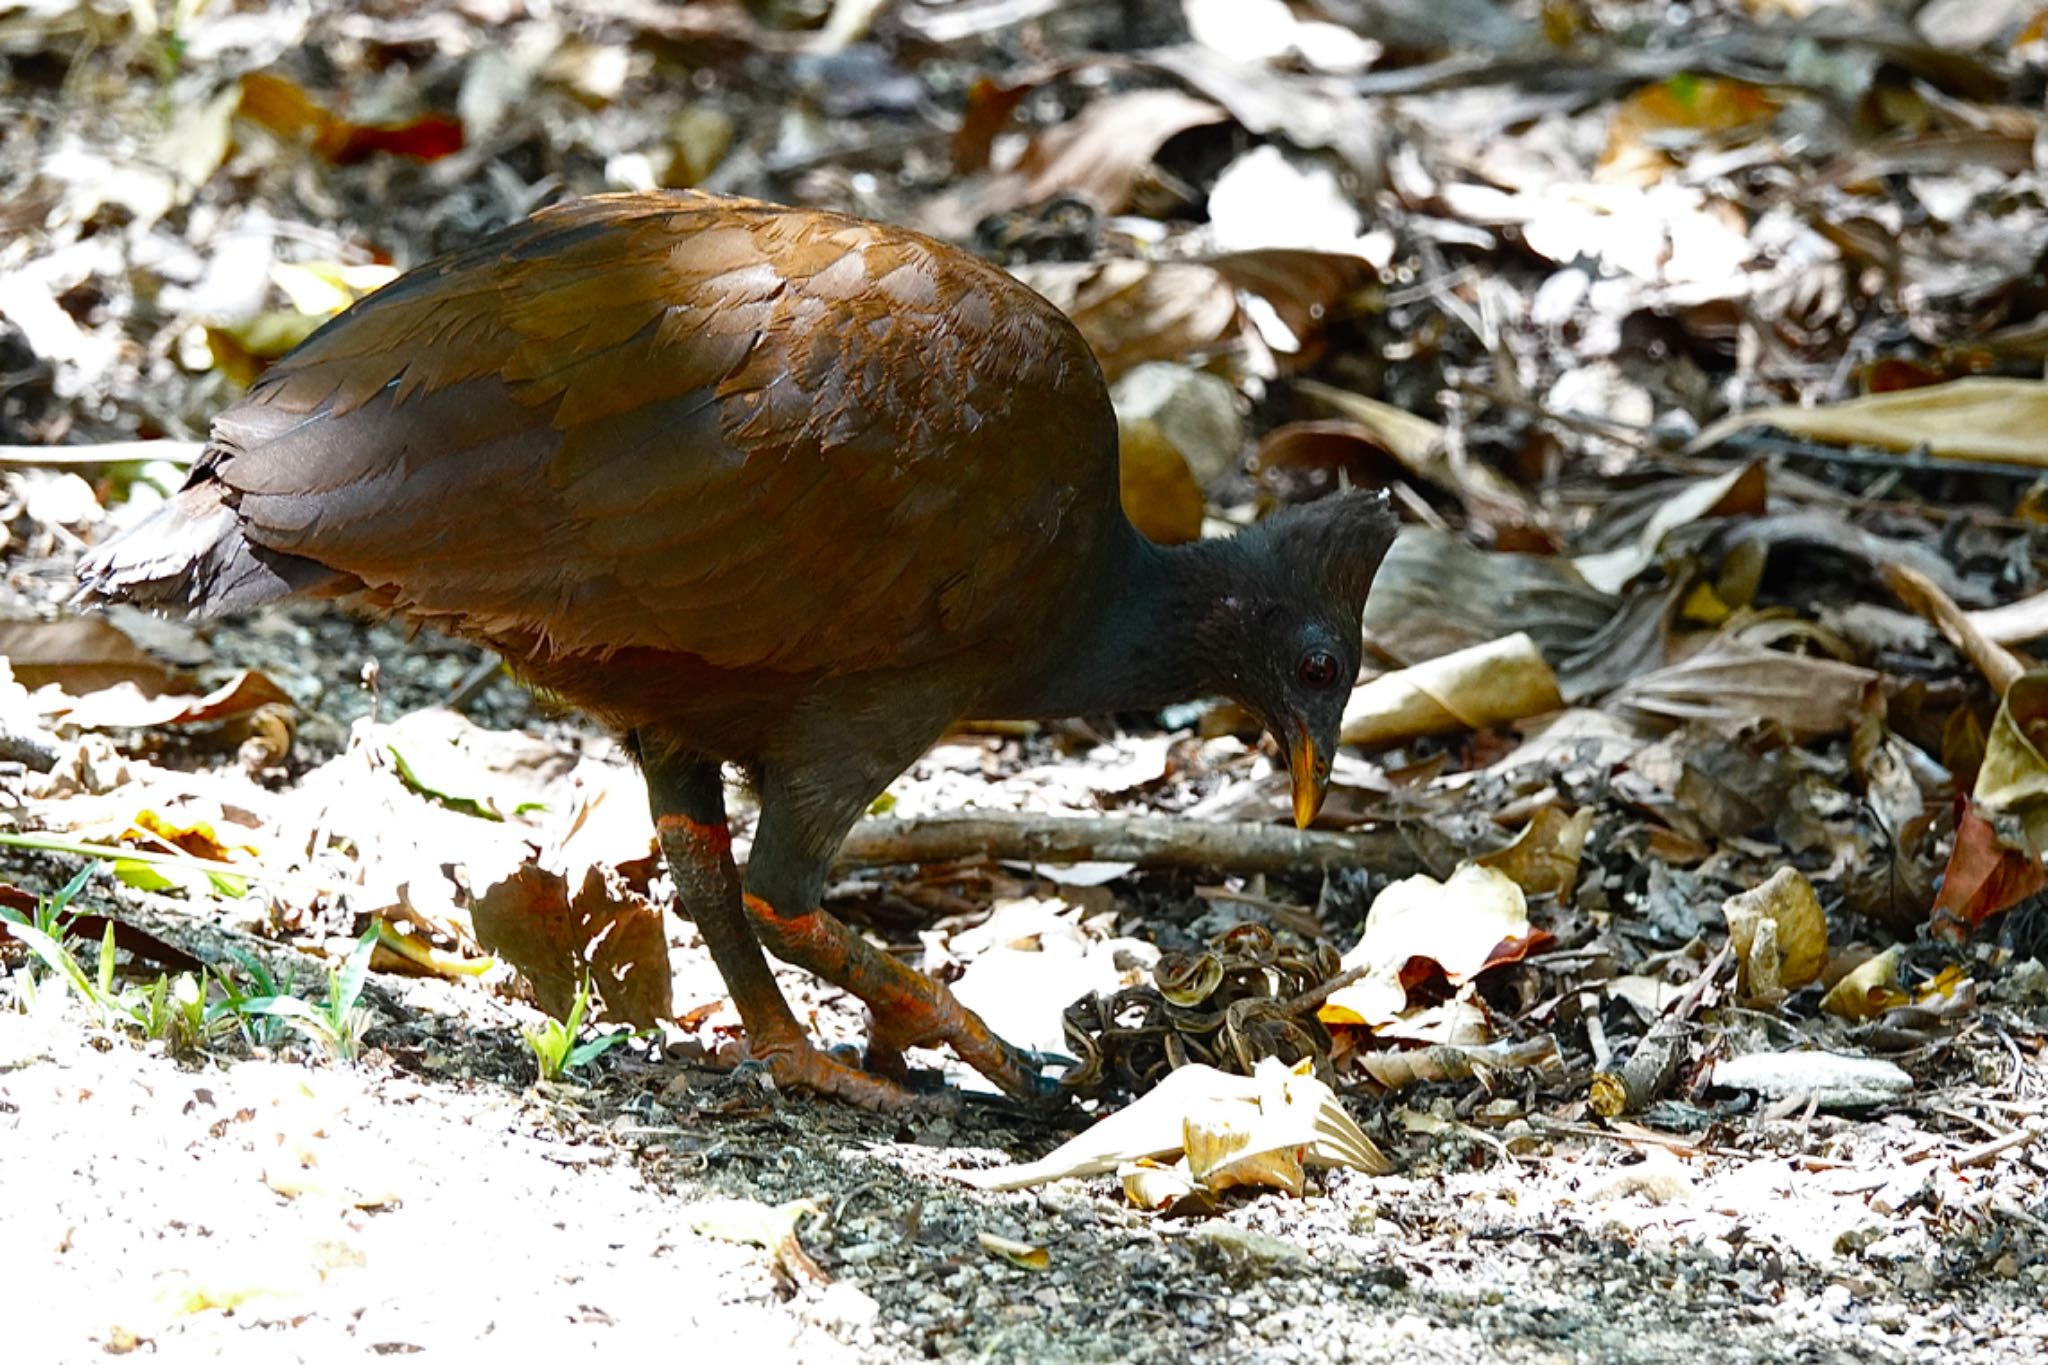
(434, 777)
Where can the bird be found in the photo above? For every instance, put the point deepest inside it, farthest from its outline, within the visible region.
(773, 488)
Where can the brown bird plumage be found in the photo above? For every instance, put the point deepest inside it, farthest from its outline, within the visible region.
(780, 488)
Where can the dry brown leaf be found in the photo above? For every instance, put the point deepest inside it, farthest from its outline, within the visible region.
(1100, 154)
(1473, 689)
(606, 930)
(1308, 290)
(1132, 312)
(1544, 858)
(1684, 109)
(80, 654)
(126, 707)
(1733, 681)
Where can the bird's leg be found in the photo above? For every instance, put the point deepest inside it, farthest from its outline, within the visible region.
(689, 816)
(906, 1007)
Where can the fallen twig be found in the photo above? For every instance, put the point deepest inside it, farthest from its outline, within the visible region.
(1642, 1078)
(1154, 842)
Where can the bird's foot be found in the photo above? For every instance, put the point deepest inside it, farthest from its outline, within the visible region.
(802, 1067)
(949, 1023)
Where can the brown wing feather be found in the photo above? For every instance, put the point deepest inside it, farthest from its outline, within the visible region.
(768, 439)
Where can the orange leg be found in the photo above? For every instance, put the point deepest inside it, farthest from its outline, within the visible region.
(690, 820)
(906, 1007)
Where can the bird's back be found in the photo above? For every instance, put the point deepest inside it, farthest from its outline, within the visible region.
(768, 441)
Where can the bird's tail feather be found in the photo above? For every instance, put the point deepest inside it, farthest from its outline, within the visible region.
(191, 555)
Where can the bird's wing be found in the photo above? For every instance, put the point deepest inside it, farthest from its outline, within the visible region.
(787, 441)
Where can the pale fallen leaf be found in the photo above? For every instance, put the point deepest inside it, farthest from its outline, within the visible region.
(1301, 1109)
(1228, 1146)
(125, 706)
(81, 655)
(1473, 689)
(771, 1227)
(1795, 948)
(1463, 925)
(1158, 1188)
(1101, 154)
(1023, 1255)
(1137, 311)
(1979, 418)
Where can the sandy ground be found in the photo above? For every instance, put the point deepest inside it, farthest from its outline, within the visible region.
(423, 1201)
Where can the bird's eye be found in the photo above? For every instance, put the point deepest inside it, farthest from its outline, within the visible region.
(1318, 669)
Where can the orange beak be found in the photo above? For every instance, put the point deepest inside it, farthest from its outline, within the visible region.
(1311, 778)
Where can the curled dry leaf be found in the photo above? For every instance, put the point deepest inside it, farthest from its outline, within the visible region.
(1780, 934)
(1474, 689)
(1289, 1105)
(125, 707)
(1739, 492)
(1443, 1062)
(1999, 665)
(770, 1227)
(606, 930)
(1227, 1146)
(1306, 289)
(1869, 990)
(1544, 858)
(1158, 1188)
(1969, 419)
(1475, 920)
(2012, 780)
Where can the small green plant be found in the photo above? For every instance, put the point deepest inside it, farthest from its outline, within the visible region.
(554, 1043)
(171, 1010)
(259, 1028)
(336, 1022)
(43, 932)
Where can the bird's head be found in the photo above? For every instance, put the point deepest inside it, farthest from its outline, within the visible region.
(1297, 601)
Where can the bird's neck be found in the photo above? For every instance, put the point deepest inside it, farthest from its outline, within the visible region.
(1147, 638)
